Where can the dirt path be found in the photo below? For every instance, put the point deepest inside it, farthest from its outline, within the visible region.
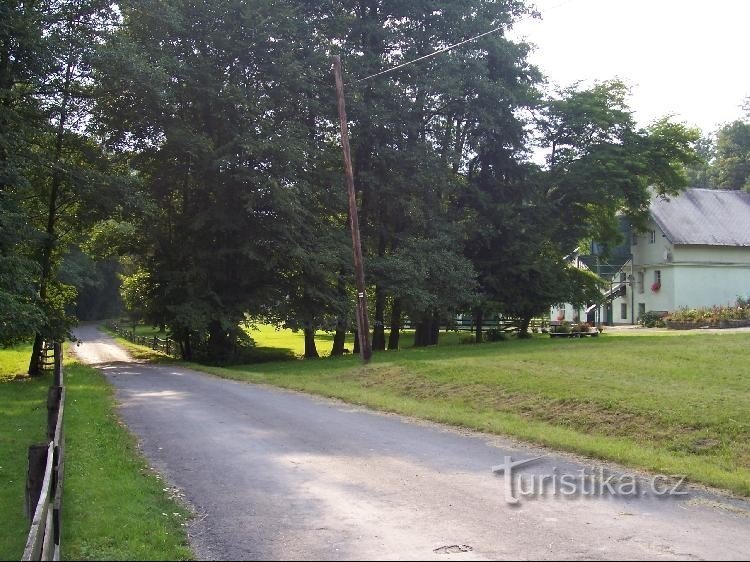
(282, 475)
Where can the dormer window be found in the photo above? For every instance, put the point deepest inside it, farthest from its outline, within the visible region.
(652, 239)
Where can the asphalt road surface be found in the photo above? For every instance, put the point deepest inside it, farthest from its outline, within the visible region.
(281, 475)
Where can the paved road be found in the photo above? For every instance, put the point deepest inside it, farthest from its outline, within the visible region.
(282, 475)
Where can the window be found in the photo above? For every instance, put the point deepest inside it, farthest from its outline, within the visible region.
(624, 311)
(641, 282)
(657, 277)
(652, 237)
(623, 277)
(641, 309)
(634, 240)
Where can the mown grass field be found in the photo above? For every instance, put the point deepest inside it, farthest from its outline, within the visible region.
(672, 404)
(23, 418)
(268, 337)
(115, 507)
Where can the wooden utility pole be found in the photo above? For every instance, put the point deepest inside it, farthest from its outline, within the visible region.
(363, 324)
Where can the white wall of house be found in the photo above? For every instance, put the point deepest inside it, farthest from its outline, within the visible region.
(691, 276)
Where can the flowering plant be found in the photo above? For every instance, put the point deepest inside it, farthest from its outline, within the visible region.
(656, 286)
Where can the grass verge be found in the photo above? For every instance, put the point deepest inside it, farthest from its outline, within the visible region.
(23, 416)
(116, 507)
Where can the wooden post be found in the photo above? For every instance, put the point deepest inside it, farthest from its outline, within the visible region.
(58, 363)
(363, 326)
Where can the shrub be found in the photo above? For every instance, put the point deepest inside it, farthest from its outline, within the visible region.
(495, 335)
(652, 319)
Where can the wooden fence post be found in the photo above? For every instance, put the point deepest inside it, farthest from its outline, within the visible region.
(35, 477)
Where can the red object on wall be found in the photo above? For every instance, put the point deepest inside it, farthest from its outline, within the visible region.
(655, 287)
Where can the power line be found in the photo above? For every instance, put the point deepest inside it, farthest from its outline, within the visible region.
(444, 50)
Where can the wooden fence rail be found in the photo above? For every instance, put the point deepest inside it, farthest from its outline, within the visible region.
(44, 483)
(165, 345)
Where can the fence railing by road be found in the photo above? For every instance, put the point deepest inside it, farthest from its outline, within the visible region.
(44, 482)
(165, 345)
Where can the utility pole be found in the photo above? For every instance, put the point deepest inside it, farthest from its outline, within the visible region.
(363, 324)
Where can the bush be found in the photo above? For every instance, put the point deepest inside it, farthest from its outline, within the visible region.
(495, 335)
(652, 319)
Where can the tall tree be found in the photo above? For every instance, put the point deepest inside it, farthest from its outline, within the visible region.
(213, 103)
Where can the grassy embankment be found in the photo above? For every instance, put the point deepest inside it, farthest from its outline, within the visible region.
(115, 506)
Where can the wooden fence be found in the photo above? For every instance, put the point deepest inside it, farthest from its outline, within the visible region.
(44, 483)
(165, 345)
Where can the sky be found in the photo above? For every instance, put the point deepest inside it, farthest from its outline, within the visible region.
(687, 58)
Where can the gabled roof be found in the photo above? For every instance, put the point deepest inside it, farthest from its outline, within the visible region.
(709, 217)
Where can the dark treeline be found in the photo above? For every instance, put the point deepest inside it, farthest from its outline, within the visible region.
(192, 148)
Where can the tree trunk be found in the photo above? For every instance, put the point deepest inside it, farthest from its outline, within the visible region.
(49, 242)
(523, 327)
(426, 332)
(311, 352)
(395, 334)
(478, 320)
(356, 341)
(219, 344)
(378, 331)
(435, 331)
(339, 342)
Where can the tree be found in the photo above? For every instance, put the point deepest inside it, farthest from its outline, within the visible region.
(213, 103)
(414, 130)
(51, 169)
(731, 167)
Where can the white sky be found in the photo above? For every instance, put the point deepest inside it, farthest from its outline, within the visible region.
(689, 58)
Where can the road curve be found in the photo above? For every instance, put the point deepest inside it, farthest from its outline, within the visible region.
(282, 475)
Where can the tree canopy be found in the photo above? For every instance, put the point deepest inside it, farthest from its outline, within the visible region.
(190, 149)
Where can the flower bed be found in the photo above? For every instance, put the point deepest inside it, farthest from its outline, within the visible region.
(737, 316)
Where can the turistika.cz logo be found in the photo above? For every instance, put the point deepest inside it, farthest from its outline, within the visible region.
(582, 483)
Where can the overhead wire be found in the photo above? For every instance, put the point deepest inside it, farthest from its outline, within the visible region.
(435, 53)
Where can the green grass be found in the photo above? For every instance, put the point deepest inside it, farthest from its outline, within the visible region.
(114, 505)
(271, 338)
(676, 405)
(116, 508)
(23, 417)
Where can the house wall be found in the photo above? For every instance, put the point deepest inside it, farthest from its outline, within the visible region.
(691, 276)
(712, 255)
(709, 285)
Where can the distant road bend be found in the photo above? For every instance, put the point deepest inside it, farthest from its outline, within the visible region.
(282, 475)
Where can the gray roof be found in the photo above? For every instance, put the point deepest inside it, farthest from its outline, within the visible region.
(708, 217)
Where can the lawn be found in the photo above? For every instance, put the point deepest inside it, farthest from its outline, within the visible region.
(115, 507)
(676, 405)
(23, 418)
(267, 337)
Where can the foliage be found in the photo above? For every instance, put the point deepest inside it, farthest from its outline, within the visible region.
(651, 319)
(714, 314)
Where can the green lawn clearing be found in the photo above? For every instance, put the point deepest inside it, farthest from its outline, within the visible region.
(270, 339)
(23, 418)
(115, 507)
(676, 405)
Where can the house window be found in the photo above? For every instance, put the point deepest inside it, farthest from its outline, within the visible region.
(657, 277)
(623, 277)
(624, 311)
(635, 239)
(652, 237)
(641, 309)
(641, 282)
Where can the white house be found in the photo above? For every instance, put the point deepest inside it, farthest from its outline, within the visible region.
(696, 252)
